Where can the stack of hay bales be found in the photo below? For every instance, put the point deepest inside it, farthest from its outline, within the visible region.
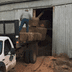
(36, 32)
(30, 36)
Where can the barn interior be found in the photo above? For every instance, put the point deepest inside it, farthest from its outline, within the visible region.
(45, 46)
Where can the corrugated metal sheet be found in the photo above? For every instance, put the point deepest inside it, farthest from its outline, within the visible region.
(32, 4)
(62, 29)
(13, 1)
(9, 1)
(7, 15)
(15, 14)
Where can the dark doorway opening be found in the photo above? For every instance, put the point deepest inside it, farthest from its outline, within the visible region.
(45, 46)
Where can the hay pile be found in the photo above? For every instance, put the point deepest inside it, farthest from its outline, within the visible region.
(56, 63)
(59, 63)
(62, 63)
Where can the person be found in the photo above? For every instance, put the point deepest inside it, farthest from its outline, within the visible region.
(25, 15)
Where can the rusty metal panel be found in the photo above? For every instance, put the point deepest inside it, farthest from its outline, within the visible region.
(62, 31)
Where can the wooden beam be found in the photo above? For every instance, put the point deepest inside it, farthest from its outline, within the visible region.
(40, 15)
(34, 13)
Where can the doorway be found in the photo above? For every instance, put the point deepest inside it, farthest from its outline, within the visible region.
(45, 46)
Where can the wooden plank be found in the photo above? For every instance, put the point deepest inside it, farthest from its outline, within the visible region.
(53, 35)
(34, 13)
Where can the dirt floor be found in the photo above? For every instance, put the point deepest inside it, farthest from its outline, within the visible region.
(54, 63)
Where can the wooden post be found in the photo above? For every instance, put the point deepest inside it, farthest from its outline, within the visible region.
(34, 13)
(53, 9)
(40, 15)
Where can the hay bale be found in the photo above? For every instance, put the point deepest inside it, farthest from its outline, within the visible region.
(39, 36)
(31, 29)
(35, 33)
(38, 30)
(30, 36)
(45, 23)
(23, 36)
(43, 31)
(33, 36)
(34, 23)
